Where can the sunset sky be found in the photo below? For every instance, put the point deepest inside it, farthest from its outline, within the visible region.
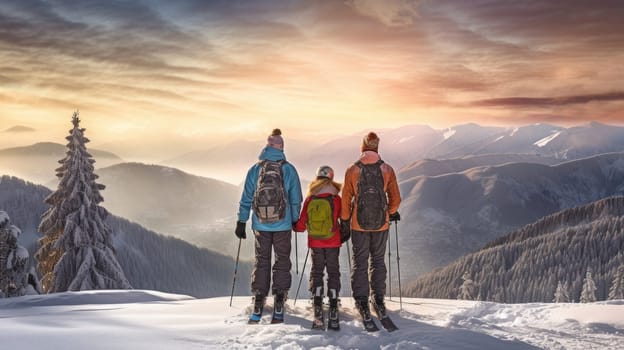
(220, 70)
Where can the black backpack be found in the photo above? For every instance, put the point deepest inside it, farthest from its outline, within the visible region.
(269, 200)
(372, 201)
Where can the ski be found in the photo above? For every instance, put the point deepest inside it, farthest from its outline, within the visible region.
(386, 321)
(277, 319)
(369, 325)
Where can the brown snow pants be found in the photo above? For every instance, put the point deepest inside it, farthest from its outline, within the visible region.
(369, 267)
(279, 242)
(325, 258)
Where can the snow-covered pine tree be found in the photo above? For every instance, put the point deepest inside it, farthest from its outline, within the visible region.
(468, 289)
(616, 291)
(561, 294)
(76, 252)
(588, 294)
(13, 259)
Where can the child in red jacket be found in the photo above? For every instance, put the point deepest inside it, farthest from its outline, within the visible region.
(319, 217)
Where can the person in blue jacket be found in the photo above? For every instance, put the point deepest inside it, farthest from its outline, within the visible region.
(272, 224)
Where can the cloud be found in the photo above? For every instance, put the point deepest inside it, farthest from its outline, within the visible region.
(392, 13)
(522, 102)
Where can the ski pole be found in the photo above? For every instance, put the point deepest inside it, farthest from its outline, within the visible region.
(296, 256)
(301, 278)
(240, 240)
(396, 232)
(349, 256)
(389, 268)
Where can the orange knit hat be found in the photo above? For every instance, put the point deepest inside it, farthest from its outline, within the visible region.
(370, 142)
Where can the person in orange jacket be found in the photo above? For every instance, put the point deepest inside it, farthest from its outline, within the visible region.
(319, 217)
(370, 199)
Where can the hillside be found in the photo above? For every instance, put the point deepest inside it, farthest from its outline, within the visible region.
(526, 265)
(447, 216)
(140, 319)
(150, 260)
(161, 197)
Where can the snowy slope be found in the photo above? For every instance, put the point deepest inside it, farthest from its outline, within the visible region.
(139, 319)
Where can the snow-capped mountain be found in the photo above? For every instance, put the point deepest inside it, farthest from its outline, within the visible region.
(397, 147)
(149, 260)
(525, 139)
(527, 265)
(447, 216)
(141, 319)
(401, 147)
(37, 162)
(462, 140)
(435, 167)
(539, 139)
(585, 140)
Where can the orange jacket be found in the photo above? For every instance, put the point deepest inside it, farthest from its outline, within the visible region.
(350, 190)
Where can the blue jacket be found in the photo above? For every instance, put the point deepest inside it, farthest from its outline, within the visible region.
(292, 186)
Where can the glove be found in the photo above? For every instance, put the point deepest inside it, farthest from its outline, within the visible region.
(240, 230)
(395, 216)
(345, 230)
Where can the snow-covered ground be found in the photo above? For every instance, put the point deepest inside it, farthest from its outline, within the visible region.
(151, 320)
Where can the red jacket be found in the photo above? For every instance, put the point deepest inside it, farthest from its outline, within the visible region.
(333, 242)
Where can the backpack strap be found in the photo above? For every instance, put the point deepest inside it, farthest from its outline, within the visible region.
(360, 164)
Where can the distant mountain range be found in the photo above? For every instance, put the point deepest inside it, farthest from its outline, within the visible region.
(162, 197)
(19, 129)
(401, 147)
(435, 167)
(199, 210)
(37, 162)
(150, 260)
(527, 265)
(447, 216)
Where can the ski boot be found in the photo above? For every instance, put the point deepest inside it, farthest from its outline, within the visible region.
(361, 303)
(278, 307)
(256, 315)
(332, 318)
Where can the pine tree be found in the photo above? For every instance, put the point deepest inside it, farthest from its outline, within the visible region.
(561, 294)
(617, 288)
(13, 259)
(588, 294)
(468, 288)
(76, 252)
